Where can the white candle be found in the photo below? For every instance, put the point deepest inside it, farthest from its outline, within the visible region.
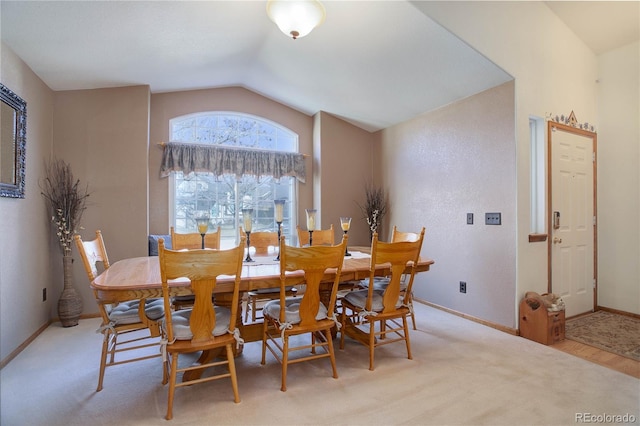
(311, 219)
(246, 216)
(279, 210)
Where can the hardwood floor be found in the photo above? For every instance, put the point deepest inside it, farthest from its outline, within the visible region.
(598, 356)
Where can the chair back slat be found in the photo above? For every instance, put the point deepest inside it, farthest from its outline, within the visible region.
(261, 241)
(321, 237)
(193, 240)
(314, 261)
(92, 252)
(202, 268)
(399, 255)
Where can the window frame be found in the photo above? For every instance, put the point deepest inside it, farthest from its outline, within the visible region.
(291, 205)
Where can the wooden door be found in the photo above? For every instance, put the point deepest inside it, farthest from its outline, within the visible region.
(572, 217)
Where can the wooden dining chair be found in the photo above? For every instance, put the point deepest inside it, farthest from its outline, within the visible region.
(320, 237)
(261, 241)
(189, 241)
(369, 307)
(193, 240)
(381, 283)
(205, 327)
(289, 317)
(121, 318)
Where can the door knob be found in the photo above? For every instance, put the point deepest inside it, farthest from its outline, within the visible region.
(557, 240)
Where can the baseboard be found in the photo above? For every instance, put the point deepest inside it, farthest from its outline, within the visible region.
(617, 311)
(24, 344)
(31, 338)
(500, 327)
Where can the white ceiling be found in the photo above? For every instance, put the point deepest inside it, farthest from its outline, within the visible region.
(388, 65)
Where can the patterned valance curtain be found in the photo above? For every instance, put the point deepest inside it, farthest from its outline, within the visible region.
(220, 160)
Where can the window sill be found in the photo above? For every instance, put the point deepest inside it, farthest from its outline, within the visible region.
(536, 238)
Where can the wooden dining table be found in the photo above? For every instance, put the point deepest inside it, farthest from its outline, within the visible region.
(139, 278)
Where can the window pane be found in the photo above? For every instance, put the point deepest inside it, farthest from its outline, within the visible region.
(224, 197)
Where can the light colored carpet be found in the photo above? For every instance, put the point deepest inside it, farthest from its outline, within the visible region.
(611, 332)
(463, 373)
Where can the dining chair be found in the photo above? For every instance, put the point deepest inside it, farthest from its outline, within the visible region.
(320, 237)
(289, 317)
(193, 240)
(205, 327)
(381, 283)
(189, 241)
(121, 318)
(262, 241)
(369, 307)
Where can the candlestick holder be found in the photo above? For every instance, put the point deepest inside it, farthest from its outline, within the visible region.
(279, 216)
(247, 218)
(345, 223)
(248, 258)
(279, 233)
(311, 223)
(202, 220)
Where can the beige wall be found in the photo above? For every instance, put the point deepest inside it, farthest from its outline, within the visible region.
(165, 106)
(103, 134)
(343, 156)
(26, 237)
(442, 165)
(619, 179)
(554, 73)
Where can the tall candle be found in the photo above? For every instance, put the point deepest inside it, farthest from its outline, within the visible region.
(311, 219)
(247, 218)
(279, 210)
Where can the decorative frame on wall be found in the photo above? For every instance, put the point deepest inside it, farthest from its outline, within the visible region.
(13, 140)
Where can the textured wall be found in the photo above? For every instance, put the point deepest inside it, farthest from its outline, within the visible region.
(442, 165)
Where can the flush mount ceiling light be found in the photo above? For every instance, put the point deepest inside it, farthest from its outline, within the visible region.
(296, 18)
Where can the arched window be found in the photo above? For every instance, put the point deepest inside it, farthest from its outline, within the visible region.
(225, 196)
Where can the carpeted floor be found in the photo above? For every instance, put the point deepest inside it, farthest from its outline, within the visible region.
(462, 373)
(610, 332)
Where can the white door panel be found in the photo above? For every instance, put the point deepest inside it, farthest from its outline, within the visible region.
(572, 238)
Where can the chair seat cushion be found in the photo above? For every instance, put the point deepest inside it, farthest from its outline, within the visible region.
(358, 299)
(292, 310)
(182, 330)
(271, 290)
(127, 312)
(381, 283)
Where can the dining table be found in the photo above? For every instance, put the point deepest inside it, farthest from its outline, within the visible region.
(139, 278)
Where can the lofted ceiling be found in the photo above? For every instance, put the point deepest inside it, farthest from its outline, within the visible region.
(387, 66)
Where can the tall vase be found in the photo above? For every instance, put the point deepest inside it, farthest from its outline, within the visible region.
(70, 302)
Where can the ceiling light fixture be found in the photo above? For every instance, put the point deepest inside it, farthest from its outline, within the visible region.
(296, 18)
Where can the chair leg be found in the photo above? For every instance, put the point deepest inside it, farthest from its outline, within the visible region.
(332, 355)
(372, 341)
(246, 311)
(253, 309)
(343, 321)
(406, 336)
(103, 358)
(232, 371)
(285, 362)
(172, 384)
(265, 326)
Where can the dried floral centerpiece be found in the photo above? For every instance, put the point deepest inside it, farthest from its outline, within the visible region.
(375, 208)
(67, 201)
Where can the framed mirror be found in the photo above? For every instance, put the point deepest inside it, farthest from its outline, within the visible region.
(13, 139)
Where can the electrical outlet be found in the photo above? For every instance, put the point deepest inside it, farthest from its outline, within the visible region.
(44, 294)
(469, 218)
(463, 287)
(492, 218)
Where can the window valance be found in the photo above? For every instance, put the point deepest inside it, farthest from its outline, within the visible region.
(220, 160)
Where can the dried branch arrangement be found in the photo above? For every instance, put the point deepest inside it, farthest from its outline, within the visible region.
(375, 207)
(67, 201)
